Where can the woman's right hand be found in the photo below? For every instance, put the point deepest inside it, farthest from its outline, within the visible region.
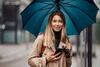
(53, 57)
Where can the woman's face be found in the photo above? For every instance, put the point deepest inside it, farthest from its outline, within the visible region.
(57, 23)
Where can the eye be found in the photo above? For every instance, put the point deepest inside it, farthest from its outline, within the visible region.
(54, 20)
(60, 21)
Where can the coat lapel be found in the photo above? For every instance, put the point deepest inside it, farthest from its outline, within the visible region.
(52, 46)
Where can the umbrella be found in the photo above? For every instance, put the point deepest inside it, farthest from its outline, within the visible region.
(79, 14)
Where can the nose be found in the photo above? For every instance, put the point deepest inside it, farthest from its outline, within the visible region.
(57, 23)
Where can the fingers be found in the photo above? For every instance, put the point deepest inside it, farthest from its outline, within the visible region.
(57, 54)
(54, 57)
(57, 58)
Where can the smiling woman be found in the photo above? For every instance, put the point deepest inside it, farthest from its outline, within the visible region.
(52, 48)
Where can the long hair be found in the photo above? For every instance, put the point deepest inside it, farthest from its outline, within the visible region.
(49, 34)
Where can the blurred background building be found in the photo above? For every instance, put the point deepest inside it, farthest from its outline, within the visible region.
(15, 43)
(10, 22)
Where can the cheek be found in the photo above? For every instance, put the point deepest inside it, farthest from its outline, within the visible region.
(52, 24)
(61, 25)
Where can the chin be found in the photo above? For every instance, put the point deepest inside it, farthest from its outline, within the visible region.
(57, 30)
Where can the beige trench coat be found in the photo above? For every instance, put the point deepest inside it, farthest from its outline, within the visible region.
(38, 61)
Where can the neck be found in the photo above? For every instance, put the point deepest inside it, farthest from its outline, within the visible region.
(57, 34)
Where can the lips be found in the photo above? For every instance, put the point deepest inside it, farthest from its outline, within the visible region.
(57, 27)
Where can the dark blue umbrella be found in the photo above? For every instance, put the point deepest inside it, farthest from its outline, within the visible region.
(79, 14)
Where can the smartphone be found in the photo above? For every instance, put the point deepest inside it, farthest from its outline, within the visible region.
(59, 50)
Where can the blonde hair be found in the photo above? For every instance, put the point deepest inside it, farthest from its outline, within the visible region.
(49, 34)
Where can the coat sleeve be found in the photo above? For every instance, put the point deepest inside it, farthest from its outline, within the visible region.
(34, 57)
(69, 55)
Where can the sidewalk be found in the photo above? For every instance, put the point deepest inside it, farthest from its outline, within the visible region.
(18, 54)
(9, 52)
(13, 52)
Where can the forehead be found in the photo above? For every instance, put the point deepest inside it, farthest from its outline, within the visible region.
(57, 17)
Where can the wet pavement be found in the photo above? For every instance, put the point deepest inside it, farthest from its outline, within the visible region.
(17, 55)
(12, 55)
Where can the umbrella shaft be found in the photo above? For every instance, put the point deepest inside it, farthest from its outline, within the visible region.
(57, 1)
(57, 4)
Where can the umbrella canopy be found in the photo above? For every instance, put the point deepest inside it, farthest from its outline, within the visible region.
(79, 14)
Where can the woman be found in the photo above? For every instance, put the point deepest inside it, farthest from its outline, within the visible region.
(44, 52)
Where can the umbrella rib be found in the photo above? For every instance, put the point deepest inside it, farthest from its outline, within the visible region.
(46, 15)
(48, 3)
(68, 2)
(71, 19)
(34, 13)
(43, 2)
(81, 10)
(39, 10)
(42, 20)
